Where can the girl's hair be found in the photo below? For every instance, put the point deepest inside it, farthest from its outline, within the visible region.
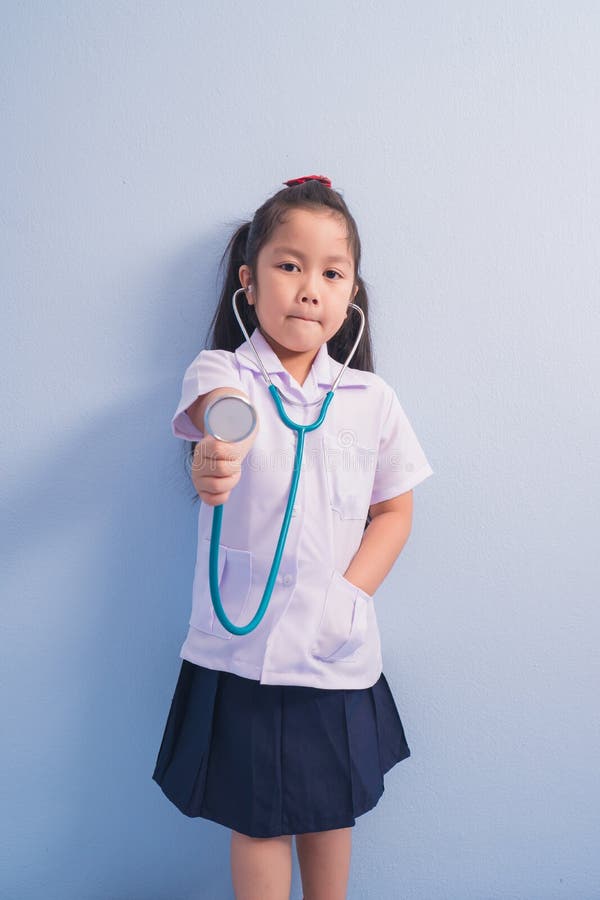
(243, 248)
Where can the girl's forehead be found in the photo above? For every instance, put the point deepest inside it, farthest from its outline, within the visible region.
(299, 219)
(312, 229)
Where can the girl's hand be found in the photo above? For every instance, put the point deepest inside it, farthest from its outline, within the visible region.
(217, 467)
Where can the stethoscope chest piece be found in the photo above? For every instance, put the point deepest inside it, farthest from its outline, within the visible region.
(230, 418)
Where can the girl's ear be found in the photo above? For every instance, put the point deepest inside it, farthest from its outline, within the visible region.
(244, 275)
(246, 281)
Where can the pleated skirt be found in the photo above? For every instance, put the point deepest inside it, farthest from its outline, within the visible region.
(268, 760)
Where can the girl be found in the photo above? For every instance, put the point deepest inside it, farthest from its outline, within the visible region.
(289, 729)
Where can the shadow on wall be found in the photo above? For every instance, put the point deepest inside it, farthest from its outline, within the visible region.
(107, 514)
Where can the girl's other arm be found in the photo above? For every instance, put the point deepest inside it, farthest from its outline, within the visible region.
(382, 542)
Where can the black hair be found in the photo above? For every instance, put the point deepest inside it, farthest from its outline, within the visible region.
(243, 248)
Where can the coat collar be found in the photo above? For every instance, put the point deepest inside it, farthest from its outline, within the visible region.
(324, 369)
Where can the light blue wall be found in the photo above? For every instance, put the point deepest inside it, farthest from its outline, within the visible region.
(465, 139)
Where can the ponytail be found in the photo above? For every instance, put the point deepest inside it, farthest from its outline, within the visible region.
(224, 330)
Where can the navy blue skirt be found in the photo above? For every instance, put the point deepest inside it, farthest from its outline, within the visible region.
(267, 760)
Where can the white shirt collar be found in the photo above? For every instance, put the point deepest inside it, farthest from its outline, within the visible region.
(323, 372)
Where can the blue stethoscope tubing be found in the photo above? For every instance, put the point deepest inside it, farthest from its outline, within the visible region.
(215, 537)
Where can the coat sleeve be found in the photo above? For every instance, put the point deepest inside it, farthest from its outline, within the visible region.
(209, 370)
(401, 462)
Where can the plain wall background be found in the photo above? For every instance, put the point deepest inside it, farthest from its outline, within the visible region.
(465, 139)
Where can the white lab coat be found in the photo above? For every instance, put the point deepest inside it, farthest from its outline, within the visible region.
(319, 630)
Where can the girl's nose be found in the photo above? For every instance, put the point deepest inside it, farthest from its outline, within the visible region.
(310, 291)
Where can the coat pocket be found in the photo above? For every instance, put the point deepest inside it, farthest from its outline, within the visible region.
(350, 473)
(344, 621)
(235, 582)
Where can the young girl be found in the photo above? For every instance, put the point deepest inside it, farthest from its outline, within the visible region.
(289, 729)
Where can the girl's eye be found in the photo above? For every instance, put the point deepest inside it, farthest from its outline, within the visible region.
(332, 271)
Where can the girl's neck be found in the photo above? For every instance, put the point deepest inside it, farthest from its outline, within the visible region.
(297, 364)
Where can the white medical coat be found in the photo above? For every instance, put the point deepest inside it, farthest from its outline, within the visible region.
(319, 630)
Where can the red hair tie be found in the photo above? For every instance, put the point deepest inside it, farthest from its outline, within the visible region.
(322, 178)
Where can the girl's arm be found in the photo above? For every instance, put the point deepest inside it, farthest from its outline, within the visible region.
(216, 467)
(382, 542)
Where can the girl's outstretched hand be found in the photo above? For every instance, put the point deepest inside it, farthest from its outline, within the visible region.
(217, 467)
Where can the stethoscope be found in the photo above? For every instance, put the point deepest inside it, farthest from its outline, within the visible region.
(232, 418)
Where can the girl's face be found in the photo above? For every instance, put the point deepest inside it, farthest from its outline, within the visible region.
(305, 276)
